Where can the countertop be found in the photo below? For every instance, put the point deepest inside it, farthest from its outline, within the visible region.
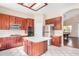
(5, 36)
(36, 39)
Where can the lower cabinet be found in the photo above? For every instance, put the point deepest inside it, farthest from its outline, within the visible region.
(56, 41)
(10, 42)
(35, 48)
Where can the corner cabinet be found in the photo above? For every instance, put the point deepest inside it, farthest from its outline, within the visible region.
(56, 21)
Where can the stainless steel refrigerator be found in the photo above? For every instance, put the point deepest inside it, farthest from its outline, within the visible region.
(49, 32)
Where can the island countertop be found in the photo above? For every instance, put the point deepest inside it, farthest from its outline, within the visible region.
(36, 39)
(35, 46)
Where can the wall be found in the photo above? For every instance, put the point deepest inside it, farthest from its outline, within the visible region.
(58, 33)
(74, 21)
(38, 25)
(14, 13)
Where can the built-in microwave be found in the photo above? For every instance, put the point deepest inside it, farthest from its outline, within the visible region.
(15, 27)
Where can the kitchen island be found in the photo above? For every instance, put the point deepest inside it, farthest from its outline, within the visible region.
(35, 46)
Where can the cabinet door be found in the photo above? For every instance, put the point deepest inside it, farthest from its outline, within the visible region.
(5, 22)
(0, 21)
(56, 40)
(12, 20)
(24, 24)
(2, 44)
(58, 23)
(18, 20)
(31, 23)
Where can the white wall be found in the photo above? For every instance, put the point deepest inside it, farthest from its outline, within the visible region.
(74, 31)
(38, 28)
(58, 32)
(14, 13)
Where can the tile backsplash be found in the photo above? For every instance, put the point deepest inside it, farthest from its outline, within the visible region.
(58, 32)
(6, 33)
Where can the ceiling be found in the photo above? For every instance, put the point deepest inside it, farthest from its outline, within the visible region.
(50, 11)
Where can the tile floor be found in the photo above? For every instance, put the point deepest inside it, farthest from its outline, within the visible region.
(52, 51)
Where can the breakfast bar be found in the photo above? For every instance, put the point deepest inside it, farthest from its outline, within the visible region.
(35, 46)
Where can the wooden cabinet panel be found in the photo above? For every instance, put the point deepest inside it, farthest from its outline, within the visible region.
(30, 22)
(20, 22)
(26, 23)
(2, 44)
(7, 22)
(12, 20)
(0, 21)
(1, 47)
(56, 21)
(10, 42)
(35, 49)
(4, 21)
(56, 40)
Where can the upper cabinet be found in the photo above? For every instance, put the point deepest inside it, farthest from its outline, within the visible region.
(56, 21)
(27, 23)
(0, 21)
(6, 21)
(19, 21)
(12, 20)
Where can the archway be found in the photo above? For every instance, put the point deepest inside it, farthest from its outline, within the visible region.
(71, 28)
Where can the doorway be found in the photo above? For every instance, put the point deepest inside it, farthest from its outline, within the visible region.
(71, 28)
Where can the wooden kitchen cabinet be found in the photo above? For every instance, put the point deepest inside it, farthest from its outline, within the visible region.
(31, 22)
(35, 48)
(1, 44)
(10, 42)
(27, 23)
(7, 20)
(4, 19)
(56, 21)
(56, 40)
(12, 20)
(24, 25)
(0, 21)
(20, 22)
